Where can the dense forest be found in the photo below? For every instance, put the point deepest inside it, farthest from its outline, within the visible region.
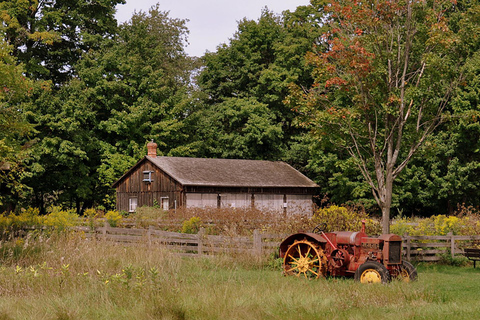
(377, 101)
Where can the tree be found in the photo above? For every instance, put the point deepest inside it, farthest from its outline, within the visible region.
(49, 36)
(385, 73)
(446, 172)
(243, 129)
(256, 67)
(132, 89)
(13, 127)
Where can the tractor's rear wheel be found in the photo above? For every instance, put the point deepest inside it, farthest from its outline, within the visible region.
(372, 272)
(304, 259)
(407, 272)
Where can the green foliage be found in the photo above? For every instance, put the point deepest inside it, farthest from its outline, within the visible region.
(246, 81)
(378, 109)
(446, 171)
(457, 261)
(243, 129)
(109, 88)
(15, 87)
(192, 225)
(50, 36)
(132, 88)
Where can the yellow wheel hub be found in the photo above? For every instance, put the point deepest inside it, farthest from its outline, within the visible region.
(404, 275)
(371, 276)
(303, 264)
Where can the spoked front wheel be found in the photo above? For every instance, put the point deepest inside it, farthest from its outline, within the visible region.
(304, 259)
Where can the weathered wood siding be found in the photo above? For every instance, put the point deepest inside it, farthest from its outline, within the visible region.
(287, 203)
(161, 187)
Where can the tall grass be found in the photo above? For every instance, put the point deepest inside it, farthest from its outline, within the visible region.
(65, 276)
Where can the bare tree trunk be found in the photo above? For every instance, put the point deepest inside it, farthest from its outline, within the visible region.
(385, 219)
(385, 199)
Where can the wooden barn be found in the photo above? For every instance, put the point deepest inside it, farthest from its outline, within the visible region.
(174, 182)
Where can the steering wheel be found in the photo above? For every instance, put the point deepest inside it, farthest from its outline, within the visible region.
(320, 228)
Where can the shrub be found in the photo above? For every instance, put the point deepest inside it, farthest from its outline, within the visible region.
(192, 225)
(27, 218)
(458, 261)
(61, 219)
(91, 215)
(401, 226)
(113, 218)
(146, 216)
(339, 218)
(438, 225)
(12, 224)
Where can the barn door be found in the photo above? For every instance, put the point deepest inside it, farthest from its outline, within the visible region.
(132, 204)
(165, 203)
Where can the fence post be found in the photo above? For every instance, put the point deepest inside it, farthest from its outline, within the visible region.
(149, 236)
(200, 234)
(452, 244)
(257, 242)
(106, 225)
(408, 246)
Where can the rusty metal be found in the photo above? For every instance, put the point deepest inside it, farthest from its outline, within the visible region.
(347, 254)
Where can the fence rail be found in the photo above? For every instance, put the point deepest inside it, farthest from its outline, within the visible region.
(415, 248)
(432, 248)
(188, 244)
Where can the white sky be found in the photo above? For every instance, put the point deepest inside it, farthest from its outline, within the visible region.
(211, 22)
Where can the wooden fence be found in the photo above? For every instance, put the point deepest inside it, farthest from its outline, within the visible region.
(432, 248)
(188, 244)
(415, 248)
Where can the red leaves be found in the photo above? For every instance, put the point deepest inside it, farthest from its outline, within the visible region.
(344, 61)
(347, 58)
(335, 81)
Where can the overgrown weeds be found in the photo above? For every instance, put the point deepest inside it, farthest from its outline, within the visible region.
(86, 279)
(465, 221)
(239, 222)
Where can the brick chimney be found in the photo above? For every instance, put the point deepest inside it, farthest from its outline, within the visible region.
(152, 149)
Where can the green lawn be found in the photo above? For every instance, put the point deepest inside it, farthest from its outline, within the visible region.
(74, 279)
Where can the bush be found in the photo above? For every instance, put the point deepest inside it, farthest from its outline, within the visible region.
(339, 218)
(61, 219)
(113, 218)
(192, 225)
(438, 225)
(146, 216)
(458, 261)
(26, 218)
(91, 215)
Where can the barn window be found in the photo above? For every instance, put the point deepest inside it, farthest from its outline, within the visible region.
(147, 176)
(132, 204)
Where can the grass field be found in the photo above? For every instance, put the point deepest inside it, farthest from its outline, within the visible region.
(66, 277)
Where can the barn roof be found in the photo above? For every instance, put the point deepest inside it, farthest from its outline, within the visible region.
(230, 172)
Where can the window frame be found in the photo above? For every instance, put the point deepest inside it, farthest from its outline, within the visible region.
(147, 176)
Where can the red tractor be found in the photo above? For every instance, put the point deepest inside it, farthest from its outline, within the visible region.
(344, 253)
